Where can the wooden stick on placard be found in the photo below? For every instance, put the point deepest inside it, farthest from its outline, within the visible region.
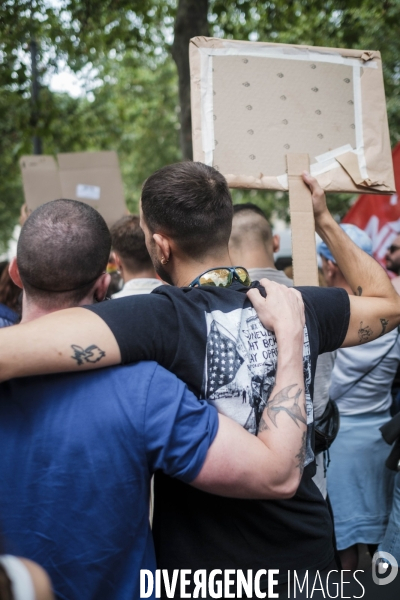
(305, 270)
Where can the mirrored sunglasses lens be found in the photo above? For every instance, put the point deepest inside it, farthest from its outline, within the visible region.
(243, 276)
(217, 277)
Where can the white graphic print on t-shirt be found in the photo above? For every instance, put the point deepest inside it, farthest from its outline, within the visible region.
(240, 368)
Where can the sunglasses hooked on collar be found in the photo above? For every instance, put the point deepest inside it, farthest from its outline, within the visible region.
(222, 277)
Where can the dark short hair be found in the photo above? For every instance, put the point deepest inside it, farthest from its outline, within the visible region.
(190, 202)
(63, 248)
(127, 239)
(249, 206)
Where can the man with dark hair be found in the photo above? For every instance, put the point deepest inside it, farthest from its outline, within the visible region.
(253, 244)
(132, 258)
(392, 256)
(205, 331)
(191, 203)
(77, 450)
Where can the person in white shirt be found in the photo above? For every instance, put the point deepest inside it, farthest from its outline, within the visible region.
(132, 258)
(360, 487)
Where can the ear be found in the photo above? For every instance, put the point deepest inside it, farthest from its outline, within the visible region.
(14, 273)
(163, 246)
(101, 287)
(332, 268)
(117, 260)
(276, 242)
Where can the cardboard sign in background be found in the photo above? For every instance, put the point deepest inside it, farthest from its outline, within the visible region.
(91, 177)
(253, 103)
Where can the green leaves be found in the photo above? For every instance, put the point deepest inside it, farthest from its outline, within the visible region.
(135, 108)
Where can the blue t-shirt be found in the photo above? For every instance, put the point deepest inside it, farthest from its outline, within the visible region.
(77, 452)
(7, 316)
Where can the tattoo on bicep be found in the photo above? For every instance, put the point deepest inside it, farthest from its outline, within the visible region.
(302, 453)
(288, 404)
(359, 291)
(91, 354)
(262, 426)
(384, 323)
(364, 333)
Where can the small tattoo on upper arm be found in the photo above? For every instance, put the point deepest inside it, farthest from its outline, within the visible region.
(359, 291)
(364, 333)
(302, 453)
(91, 354)
(384, 323)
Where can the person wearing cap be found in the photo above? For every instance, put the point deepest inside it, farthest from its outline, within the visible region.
(359, 485)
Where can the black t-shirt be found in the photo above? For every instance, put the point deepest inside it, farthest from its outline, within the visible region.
(213, 340)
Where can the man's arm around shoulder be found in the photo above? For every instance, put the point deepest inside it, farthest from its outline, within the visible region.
(269, 465)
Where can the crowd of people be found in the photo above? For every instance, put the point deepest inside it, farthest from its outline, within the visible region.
(216, 369)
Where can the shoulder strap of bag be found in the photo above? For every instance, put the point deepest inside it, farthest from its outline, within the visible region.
(354, 383)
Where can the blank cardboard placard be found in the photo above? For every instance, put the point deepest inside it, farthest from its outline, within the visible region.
(253, 103)
(40, 179)
(302, 219)
(91, 177)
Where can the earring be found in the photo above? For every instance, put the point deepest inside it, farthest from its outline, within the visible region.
(164, 260)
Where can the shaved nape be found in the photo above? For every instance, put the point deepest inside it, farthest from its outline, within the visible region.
(250, 227)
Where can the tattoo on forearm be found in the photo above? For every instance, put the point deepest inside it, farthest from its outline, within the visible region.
(91, 354)
(364, 333)
(302, 453)
(292, 408)
(359, 291)
(384, 323)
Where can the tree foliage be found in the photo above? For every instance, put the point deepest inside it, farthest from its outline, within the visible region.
(132, 103)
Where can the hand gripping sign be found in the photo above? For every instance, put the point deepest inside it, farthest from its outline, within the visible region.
(262, 113)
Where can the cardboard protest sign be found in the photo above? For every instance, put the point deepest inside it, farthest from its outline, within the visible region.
(91, 177)
(253, 103)
(262, 113)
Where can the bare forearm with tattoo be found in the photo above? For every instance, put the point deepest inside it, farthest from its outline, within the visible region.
(91, 354)
(65, 340)
(365, 333)
(301, 456)
(384, 323)
(283, 424)
(374, 294)
(289, 404)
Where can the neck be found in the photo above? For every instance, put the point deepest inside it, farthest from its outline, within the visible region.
(145, 274)
(186, 270)
(254, 259)
(32, 310)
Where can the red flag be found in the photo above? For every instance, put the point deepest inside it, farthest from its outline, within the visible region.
(379, 216)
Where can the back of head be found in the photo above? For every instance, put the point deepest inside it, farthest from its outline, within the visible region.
(250, 227)
(191, 203)
(63, 248)
(128, 241)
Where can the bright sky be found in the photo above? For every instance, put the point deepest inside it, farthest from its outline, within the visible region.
(66, 81)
